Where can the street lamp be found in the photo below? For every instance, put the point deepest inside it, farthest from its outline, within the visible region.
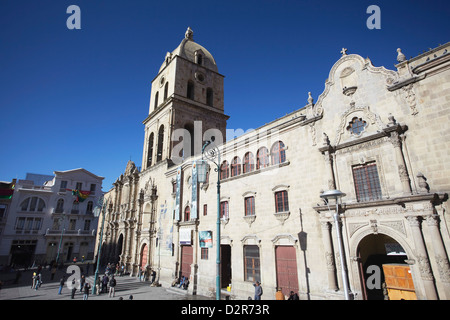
(100, 208)
(212, 154)
(336, 194)
(63, 220)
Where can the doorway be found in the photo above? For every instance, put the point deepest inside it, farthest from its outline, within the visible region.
(286, 268)
(187, 257)
(378, 254)
(225, 265)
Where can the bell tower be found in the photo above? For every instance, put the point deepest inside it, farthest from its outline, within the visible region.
(186, 105)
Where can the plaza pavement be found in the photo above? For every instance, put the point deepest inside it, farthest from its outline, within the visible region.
(125, 287)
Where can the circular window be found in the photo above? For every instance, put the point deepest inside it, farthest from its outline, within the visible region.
(199, 76)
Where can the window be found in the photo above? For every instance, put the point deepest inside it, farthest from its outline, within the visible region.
(281, 201)
(20, 222)
(87, 225)
(92, 190)
(235, 167)
(32, 204)
(205, 209)
(204, 254)
(72, 224)
(199, 58)
(156, 100)
(278, 153)
(59, 206)
(89, 207)
(160, 143)
(224, 210)
(166, 91)
(187, 214)
(63, 184)
(367, 182)
(249, 162)
(262, 158)
(249, 203)
(251, 264)
(357, 126)
(75, 207)
(190, 90)
(224, 170)
(2, 210)
(209, 97)
(79, 186)
(150, 149)
(56, 224)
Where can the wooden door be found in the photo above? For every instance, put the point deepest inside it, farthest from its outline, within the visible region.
(286, 265)
(187, 258)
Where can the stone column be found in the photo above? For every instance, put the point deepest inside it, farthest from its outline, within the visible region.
(422, 258)
(329, 258)
(439, 253)
(402, 169)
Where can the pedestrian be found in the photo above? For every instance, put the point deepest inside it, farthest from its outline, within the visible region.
(37, 285)
(258, 290)
(293, 296)
(140, 274)
(74, 288)
(279, 295)
(87, 289)
(61, 285)
(33, 278)
(112, 287)
(105, 282)
(153, 275)
(82, 282)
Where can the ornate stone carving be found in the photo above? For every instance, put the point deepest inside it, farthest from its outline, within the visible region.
(410, 96)
(443, 268)
(353, 227)
(250, 219)
(423, 182)
(424, 267)
(330, 261)
(282, 216)
(397, 225)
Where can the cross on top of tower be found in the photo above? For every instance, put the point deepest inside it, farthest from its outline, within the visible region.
(344, 51)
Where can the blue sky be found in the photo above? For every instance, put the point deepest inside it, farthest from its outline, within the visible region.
(77, 98)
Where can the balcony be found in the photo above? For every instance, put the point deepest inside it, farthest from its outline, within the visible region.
(79, 232)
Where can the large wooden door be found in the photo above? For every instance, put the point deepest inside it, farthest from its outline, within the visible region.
(286, 265)
(144, 256)
(187, 258)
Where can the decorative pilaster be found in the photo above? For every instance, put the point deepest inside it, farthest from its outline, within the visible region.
(422, 258)
(329, 258)
(402, 169)
(439, 252)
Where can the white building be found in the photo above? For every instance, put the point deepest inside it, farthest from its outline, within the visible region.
(43, 218)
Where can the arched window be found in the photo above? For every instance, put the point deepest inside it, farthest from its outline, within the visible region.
(235, 167)
(278, 153)
(249, 162)
(156, 100)
(150, 149)
(32, 204)
(224, 170)
(262, 158)
(187, 214)
(224, 214)
(166, 91)
(160, 144)
(209, 97)
(190, 90)
(199, 58)
(59, 206)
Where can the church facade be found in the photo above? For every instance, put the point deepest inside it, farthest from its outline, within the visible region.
(380, 136)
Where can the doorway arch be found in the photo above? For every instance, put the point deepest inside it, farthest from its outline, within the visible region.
(144, 256)
(119, 249)
(375, 250)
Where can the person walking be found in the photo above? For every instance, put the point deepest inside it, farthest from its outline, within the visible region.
(87, 289)
(82, 282)
(279, 295)
(61, 285)
(258, 290)
(74, 288)
(33, 278)
(112, 287)
(38, 282)
(105, 281)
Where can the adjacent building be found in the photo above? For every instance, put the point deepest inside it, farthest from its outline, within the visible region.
(380, 136)
(44, 219)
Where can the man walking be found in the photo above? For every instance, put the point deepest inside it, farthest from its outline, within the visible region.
(112, 287)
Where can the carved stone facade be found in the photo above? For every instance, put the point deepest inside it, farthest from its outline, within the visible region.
(384, 143)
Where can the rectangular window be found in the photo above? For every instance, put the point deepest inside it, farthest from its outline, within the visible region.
(2, 210)
(224, 209)
(63, 184)
(205, 209)
(204, 254)
(281, 201)
(79, 185)
(87, 225)
(367, 182)
(20, 222)
(72, 223)
(251, 264)
(249, 206)
(92, 190)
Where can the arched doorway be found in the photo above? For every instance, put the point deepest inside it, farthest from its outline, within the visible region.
(384, 274)
(119, 249)
(144, 256)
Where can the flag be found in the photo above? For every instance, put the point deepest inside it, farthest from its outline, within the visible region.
(80, 195)
(6, 194)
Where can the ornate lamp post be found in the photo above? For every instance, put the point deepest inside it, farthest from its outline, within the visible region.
(336, 194)
(212, 153)
(63, 219)
(99, 209)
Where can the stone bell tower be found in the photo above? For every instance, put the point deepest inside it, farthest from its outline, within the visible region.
(186, 105)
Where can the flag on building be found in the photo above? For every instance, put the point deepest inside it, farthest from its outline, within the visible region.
(7, 190)
(80, 195)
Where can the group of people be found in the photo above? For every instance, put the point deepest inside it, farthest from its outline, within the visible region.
(278, 295)
(147, 274)
(181, 282)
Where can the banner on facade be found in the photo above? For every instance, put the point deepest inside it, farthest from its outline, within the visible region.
(194, 191)
(185, 236)
(205, 239)
(177, 196)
